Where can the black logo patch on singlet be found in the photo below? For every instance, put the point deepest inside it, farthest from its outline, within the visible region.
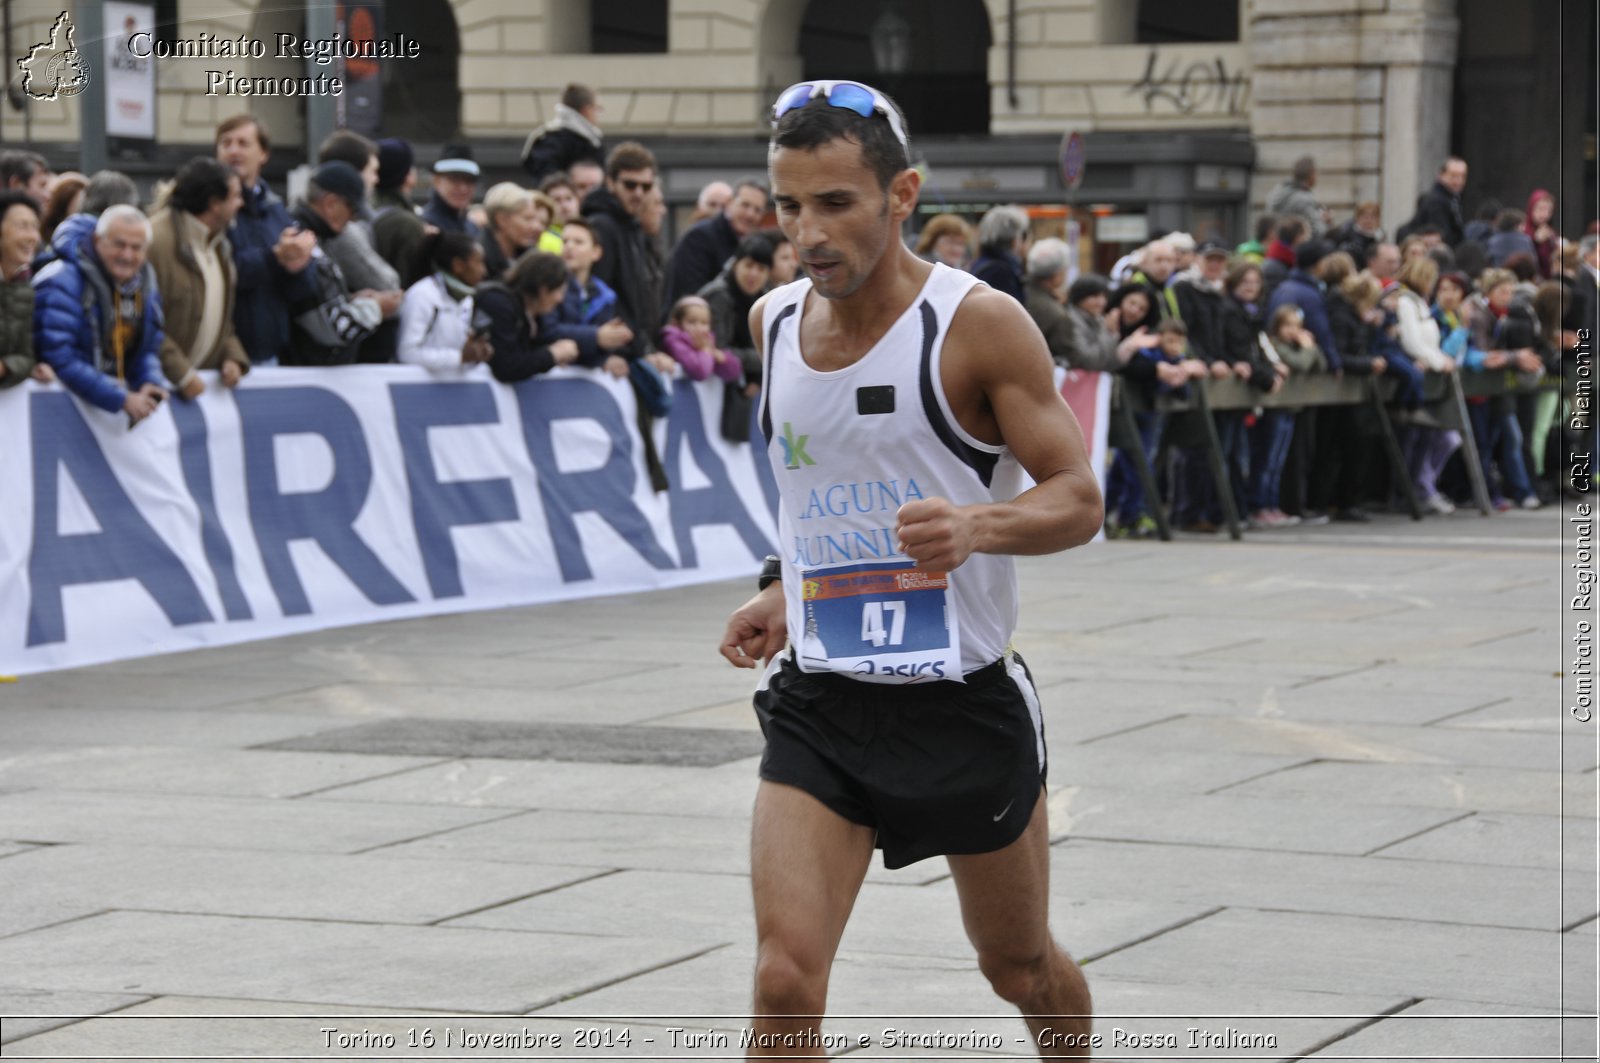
(875, 400)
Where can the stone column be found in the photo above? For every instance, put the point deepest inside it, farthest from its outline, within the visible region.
(1363, 87)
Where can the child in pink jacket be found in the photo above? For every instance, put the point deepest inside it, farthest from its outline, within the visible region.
(688, 338)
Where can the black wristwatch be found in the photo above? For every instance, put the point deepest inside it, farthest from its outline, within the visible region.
(771, 572)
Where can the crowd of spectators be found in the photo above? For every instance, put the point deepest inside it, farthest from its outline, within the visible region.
(1504, 296)
(127, 308)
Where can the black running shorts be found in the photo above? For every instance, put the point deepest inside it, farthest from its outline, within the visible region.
(935, 768)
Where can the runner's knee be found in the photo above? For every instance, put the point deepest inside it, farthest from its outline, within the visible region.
(786, 984)
(1016, 977)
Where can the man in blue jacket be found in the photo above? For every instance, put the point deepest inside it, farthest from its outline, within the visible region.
(270, 253)
(97, 318)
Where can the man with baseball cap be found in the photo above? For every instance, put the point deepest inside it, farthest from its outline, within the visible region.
(328, 327)
(455, 181)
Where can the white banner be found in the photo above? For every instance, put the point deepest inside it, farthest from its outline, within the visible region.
(311, 498)
(130, 86)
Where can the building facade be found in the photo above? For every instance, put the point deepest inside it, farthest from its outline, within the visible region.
(1190, 110)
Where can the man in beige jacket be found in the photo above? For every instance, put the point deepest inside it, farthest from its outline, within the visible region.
(194, 267)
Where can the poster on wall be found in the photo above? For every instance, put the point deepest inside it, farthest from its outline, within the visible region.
(130, 83)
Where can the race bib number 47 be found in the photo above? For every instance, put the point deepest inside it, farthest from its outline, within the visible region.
(889, 623)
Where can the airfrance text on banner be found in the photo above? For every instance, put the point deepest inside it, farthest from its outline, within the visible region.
(307, 499)
(312, 498)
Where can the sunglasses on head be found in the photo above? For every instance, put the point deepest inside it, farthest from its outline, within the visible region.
(636, 186)
(850, 95)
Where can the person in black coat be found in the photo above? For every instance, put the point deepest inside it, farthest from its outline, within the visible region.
(1002, 243)
(572, 136)
(627, 264)
(1440, 206)
(706, 247)
(513, 313)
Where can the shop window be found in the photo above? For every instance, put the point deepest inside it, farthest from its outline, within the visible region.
(627, 26)
(1187, 21)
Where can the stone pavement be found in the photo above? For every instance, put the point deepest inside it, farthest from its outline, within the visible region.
(1313, 796)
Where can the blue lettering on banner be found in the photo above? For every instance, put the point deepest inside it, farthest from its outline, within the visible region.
(125, 547)
(327, 516)
(607, 491)
(717, 503)
(763, 463)
(196, 458)
(436, 507)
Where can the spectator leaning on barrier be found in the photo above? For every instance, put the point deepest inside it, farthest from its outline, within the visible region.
(587, 313)
(436, 319)
(19, 239)
(1427, 448)
(705, 248)
(193, 263)
(331, 322)
(569, 137)
(1002, 243)
(1043, 295)
(515, 311)
(97, 317)
(1255, 249)
(271, 254)
(1280, 257)
(397, 231)
(1502, 336)
(455, 180)
(1295, 197)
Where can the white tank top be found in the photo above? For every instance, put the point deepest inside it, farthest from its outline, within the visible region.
(848, 448)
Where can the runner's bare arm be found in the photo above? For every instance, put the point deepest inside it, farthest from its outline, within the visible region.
(1000, 383)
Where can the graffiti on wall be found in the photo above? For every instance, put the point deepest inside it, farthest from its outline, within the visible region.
(1195, 87)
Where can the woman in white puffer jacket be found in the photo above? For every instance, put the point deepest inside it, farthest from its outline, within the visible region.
(436, 328)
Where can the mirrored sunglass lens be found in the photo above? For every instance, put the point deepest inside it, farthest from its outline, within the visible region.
(794, 96)
(855, 98)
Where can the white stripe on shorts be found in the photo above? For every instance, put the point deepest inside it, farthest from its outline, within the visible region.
(1030, 697)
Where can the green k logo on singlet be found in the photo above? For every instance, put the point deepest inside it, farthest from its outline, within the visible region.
(794, 449)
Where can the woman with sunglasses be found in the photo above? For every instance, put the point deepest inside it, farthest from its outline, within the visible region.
(903, 401)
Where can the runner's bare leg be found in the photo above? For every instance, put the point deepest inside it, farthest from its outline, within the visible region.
(1005, 907)
(807, 864)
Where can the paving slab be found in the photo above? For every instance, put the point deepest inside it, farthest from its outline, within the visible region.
(726, 790)
(1545, 793)
(1506, 839)
(1277, 823)
(597, 840)
(236, 773)
(25, 1012)
(542, 667)
(1172, 772)
(1542, 715)
(365, 889)
(70, 690)
(448, 969)
(1293, 950)
(25, 726)
(1219, 736)
(213, 822)
(1434, 892)
(1458, 1029)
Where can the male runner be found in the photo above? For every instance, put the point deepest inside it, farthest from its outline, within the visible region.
(902, 400)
